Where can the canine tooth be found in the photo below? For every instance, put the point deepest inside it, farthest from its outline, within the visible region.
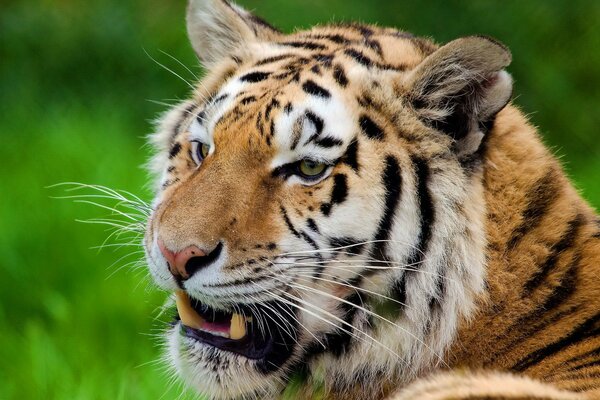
(237, 330)
(189, 317)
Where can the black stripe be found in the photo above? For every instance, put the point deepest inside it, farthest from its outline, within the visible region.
(561, 293)
(374, 44)
(594, 353)
(288, 223)
(340, 189)
(338, 39)
(273, 59)
(220, 98)
(536, 321)
(259, 124)
(370, 128)
(359, 57)
(338, 193)
(297, 133)
(310, 241)
(201, 117)
(435, 302)
(288, 108)
(255, 77)
(315, 120)
(591, 364)
(340, 76)
(426, 207)
(248, 99)
(312, 225)
(350, 158)
(539, 198)
(582, 332)
(174, 150)
(328, 142)
(312, 88)
(273, 104)
(391, 179)
(326, 209)
(305, 45)
(324, 59)
(566, 242)
(272, 128)
(426, 220)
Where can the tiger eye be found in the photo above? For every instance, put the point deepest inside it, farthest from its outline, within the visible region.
(204, 149)
(311, 168)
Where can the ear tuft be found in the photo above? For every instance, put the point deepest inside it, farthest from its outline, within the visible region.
(461, 87)
(217, 29)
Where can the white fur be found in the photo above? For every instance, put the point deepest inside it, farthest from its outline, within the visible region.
(399, 346)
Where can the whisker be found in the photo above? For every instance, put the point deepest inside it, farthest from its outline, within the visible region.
(285, 328)
(180, 63)
(117, 195)
(356, 288)
(344, 323)
(368, 267)
(171, 71)
(333, 249)
(320, 292)
(296, 319)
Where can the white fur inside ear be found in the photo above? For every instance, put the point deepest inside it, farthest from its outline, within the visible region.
(497, 94)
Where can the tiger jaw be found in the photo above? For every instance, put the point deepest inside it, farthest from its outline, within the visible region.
(251, 332)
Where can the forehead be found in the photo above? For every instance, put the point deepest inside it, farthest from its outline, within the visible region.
(299, 94)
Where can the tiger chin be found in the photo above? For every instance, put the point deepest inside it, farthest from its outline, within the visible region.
(353, 212)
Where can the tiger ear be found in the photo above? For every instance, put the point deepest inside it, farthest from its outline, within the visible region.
(217, 29)
(459, 89)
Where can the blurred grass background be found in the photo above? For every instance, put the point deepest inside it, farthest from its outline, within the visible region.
(75, 85)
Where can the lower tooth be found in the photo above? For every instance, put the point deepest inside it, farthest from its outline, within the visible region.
(237, 330)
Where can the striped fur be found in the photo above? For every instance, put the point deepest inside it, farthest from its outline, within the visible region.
(441, 237)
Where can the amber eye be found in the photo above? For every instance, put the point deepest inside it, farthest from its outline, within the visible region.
(311, 169)
(201, 151)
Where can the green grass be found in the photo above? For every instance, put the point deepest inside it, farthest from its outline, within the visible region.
(74, 84)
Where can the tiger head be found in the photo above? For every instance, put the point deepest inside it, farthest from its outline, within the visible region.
(319, 206)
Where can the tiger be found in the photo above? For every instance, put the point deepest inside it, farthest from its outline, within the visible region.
(355, 212)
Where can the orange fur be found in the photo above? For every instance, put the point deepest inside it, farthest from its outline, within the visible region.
(536, 328)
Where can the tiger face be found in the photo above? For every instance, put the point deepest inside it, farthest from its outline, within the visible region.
(319, 202)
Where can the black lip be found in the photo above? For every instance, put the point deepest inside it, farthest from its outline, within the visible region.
(270, 345)
(253, 346)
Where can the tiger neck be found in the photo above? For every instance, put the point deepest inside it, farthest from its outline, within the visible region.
(542, 252)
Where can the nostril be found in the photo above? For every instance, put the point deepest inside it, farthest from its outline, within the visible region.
(196, 263)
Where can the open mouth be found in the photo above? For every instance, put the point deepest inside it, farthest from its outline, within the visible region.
(255, 334)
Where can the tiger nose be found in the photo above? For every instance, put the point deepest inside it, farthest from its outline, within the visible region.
(179, 262)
